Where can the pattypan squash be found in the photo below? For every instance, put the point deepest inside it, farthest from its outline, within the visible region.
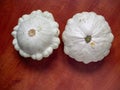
(87, 37)
(36, 35)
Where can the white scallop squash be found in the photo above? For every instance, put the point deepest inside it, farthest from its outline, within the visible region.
(87, 37)
(36, 35)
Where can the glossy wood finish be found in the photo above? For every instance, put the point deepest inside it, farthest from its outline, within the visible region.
(58, 72)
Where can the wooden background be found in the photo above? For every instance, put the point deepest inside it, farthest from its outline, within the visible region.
(58, 72)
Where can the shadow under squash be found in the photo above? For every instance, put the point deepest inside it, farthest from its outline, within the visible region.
(43, 64)
(85, 68)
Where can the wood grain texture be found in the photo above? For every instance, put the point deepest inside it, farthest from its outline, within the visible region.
(58, 72)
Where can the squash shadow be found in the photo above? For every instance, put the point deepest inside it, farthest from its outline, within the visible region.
(85, 68)
(41, 65)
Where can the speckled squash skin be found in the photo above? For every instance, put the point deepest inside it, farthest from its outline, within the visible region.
(87, 37)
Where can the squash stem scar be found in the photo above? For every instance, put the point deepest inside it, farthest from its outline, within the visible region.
(88, 38)
(31, 32)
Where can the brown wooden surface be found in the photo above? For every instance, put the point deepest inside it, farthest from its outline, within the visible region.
(58, 72)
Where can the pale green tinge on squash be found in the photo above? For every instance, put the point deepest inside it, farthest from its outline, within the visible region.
(36, 35)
